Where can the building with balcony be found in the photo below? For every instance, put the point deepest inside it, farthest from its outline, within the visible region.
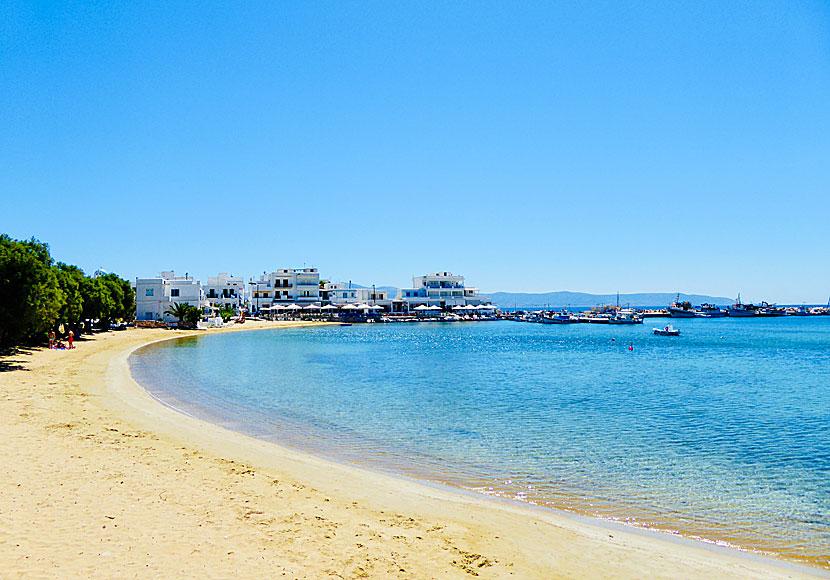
(340, 293)
(284, 286)
(440, 289)
(224, 290)
(153, 296)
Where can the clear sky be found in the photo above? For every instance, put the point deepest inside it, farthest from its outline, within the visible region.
(598, 147)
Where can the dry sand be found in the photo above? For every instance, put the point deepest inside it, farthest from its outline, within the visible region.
(98, 480)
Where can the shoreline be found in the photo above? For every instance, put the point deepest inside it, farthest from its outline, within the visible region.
(320, 518)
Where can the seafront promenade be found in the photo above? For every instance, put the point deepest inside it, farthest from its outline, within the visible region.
(100, 480)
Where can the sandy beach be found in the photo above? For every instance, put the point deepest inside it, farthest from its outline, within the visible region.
(99, 480)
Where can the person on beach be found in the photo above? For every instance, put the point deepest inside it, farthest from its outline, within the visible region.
(71, 339)
(51, 339)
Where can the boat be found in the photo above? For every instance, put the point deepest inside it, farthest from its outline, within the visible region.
(667, 331)
(711, 311)
(563, 317)
(680, 309)
(798, 311)
(766, 309)
(625, 316)
(740, 310)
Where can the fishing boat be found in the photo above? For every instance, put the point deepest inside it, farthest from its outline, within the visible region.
(741, 310)
(766, 309)
(667, 331)
(798, 311)
(711, 311)
(680, 309)
(563, 317)
(625, 316)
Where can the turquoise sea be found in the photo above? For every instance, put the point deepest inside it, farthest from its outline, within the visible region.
(722, 433)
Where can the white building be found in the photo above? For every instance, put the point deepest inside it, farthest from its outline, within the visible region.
(224, 290)
(153, 296)
(284, 286)
(341, 293)
(440, 289)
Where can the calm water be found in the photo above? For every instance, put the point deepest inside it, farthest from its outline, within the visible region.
(722, 433)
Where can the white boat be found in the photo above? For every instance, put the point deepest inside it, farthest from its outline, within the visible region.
(667, 331)
(625, 316)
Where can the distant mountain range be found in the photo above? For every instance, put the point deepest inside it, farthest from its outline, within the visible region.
(581, 299)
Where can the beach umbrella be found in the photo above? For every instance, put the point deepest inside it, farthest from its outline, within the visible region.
(312, 307)
(277, 307)
(434, 307)
(329, 307)
(362, 307)
(293, 307)
(376, 307)
(421, 307)
(349, 307)
(459, 307)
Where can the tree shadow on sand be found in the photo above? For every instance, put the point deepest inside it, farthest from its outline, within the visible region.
(7, 363)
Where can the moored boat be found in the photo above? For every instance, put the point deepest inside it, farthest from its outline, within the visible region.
(766, 309)
(680, 309)
(711, 311)
(625, 316)
(740, 310)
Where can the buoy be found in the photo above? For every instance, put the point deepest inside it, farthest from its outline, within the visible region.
(613, 339)
(630, 348)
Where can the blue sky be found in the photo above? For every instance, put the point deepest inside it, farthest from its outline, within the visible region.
(594, 147)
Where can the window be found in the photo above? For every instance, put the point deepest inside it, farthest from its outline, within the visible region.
(148, 292)
(174, 292)
(148, 316)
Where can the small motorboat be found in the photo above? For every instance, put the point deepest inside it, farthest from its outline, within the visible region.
(667, 331)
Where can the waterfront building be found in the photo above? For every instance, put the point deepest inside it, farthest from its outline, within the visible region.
(153, 296)
(300, 286)
(340, 293)
(441, 289)
(224, 290)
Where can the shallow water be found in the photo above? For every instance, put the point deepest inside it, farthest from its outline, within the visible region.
(722, 433)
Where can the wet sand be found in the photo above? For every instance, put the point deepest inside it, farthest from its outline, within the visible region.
(99, 480)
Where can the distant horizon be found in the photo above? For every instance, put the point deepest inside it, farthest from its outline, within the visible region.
(751, 297)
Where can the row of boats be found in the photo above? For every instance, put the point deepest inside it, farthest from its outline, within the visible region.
(618, 316)
(680, 309)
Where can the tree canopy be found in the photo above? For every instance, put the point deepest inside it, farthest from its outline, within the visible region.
(38, 295)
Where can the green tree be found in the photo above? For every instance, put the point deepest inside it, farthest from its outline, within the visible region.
(114, 299)
(98, 301)
(30, 296)
(193, 316)
(187, 314)
(70, 278)
(227, 312)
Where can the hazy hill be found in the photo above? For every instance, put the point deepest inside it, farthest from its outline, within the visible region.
(581, 299)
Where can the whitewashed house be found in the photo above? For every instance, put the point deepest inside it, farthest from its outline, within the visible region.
(441, 289)
(300, 286)
(224, 290)
(340, 293)
(153, 296)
